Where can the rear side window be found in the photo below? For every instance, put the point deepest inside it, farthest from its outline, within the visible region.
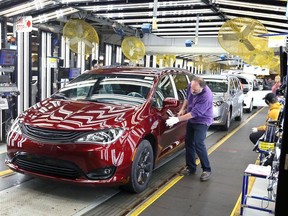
(231, 85)
(237, 84)
(242, 80)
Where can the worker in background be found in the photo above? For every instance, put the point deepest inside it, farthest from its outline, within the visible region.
(101, 63)
(277, 84)
(94, 64)
(273, 113)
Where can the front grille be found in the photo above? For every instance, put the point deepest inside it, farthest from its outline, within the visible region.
(44, 135)
(48, 166)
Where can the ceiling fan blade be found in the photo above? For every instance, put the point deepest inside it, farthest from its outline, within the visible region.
(230, 36)
(88, 43)
(234, 27)
(248, 29)
(74, 40)
(248, 45)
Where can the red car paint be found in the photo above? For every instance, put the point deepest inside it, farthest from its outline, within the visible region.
(37, 142)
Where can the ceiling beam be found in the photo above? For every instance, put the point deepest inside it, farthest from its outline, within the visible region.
(215, 9)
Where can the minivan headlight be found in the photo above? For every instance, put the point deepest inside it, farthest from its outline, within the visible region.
(102, 137)
(218, 103)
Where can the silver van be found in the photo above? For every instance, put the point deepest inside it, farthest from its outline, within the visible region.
(227, 98)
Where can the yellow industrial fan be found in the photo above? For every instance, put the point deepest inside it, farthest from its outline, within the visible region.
(165, 60)
(240, 37)
(274, 65)
(201, 61)
(78, 30)
(212, 67)
(133, 48)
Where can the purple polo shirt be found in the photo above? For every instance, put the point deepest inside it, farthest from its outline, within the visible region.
(200, 106)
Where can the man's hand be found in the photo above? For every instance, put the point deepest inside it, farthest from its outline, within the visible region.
(171, 121)
(254, 130)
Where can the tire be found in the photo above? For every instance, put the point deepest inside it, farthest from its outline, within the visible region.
(239, 118)
(228, 121)
(250, 109)
(142, 167)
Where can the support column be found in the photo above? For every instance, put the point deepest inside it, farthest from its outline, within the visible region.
(282, 186)
(43, 71)
(48, 68)
(20, 71)
(26, 75)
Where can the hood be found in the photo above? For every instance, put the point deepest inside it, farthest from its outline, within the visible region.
(218, 96)
(75, 115)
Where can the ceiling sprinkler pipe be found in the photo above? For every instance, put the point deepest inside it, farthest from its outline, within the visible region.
(155, 8)
(154, 20)
(197, 30)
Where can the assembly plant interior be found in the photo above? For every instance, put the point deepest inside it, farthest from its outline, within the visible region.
(143, 107)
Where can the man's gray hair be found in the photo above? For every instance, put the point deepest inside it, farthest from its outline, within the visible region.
(200, 80)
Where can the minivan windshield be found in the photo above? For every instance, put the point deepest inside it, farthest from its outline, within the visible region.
(107, 88)
(217, 85)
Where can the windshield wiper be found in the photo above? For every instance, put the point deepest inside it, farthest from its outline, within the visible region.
(60, 96)
(91, 100)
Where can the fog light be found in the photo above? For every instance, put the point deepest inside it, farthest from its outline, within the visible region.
(102, 173)
(107, 171)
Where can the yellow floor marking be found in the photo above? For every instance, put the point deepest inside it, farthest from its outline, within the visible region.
(166, 187)
(5, 173)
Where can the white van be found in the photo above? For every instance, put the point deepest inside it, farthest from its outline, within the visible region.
(250, 85)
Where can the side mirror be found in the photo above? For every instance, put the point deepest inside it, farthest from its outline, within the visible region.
(170, 102)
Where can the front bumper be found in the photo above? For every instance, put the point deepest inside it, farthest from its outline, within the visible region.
(80, 163)
(220, 115)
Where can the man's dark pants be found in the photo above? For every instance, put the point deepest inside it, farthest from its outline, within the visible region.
(194, 143)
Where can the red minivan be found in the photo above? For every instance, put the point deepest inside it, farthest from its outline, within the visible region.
(107, 126)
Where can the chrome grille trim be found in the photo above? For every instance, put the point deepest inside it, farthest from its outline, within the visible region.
(49, 135)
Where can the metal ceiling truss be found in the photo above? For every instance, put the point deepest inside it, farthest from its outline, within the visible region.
(172, 16)
(175, 19)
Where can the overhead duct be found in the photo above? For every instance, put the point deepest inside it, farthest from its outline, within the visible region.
(154, 44)
(49, 28)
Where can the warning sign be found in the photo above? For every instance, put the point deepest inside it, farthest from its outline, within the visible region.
(24, 24)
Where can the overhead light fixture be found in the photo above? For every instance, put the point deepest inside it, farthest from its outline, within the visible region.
(163, 25)
(286, 14)
(168, 19)
(53, 15)
(38, 4)
(59, 13)
(251, 5)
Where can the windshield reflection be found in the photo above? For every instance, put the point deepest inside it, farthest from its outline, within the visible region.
(107, 88)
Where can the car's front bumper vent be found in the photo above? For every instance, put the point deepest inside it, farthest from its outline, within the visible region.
(47, 166)
(45, 135)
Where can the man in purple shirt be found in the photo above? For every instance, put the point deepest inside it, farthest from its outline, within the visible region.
(198, 110)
